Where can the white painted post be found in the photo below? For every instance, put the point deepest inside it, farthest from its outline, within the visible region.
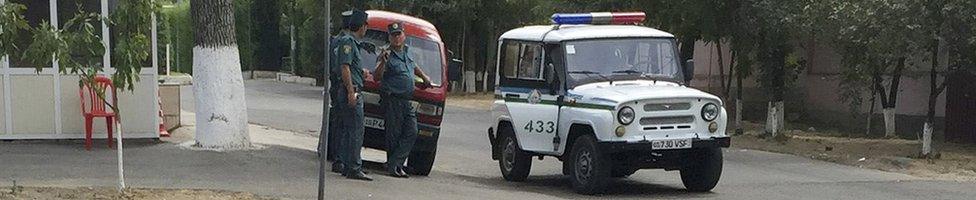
(168, 58)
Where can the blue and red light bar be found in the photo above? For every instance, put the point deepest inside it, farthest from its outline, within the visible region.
(599, 18)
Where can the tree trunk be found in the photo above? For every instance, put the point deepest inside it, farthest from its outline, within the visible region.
(870, 115)
(889, 120)
(890, 100)
(738, 103)
(721, 71)
(775, 118)
(934, 91)
(731, 73)
(221, 118)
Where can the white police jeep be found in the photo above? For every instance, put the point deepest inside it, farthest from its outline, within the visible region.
(606, 100)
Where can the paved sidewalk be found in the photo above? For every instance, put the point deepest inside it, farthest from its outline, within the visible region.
(284, 166)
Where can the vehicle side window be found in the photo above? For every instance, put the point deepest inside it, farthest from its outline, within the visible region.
(510, 56)
(530, 62)
(521, 64)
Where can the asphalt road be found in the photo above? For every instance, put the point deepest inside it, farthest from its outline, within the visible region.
(464, 169)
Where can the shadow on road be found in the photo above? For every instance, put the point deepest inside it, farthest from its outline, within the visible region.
(559, 186)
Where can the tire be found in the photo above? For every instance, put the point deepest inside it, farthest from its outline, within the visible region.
(421, 162)
(590, 172)
(514, 163)
(703, 174)
(620, 172)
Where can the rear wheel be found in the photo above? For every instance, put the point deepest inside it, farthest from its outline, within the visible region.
(590, 169)
(702, 174)
(514, 163)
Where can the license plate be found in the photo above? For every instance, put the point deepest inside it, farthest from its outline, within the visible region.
(671, 144)
(373, 123)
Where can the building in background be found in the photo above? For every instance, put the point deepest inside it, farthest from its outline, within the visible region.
(46, 105)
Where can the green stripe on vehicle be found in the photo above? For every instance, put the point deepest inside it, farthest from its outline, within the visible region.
(551, 102)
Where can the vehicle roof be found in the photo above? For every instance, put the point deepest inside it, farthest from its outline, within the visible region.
(578, 32)
(378, 20)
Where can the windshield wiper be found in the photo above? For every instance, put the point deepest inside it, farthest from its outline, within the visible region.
(642, 74)
(590, 73)
(629, 71)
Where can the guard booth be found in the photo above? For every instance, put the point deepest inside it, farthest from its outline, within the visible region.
(46, 105)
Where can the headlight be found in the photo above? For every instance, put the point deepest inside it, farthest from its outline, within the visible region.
(709, 112)
(429, 109)
(625, 115)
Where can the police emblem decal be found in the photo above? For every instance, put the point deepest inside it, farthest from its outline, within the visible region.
(535, 97)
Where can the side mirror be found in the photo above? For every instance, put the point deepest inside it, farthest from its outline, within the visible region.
(689, 71)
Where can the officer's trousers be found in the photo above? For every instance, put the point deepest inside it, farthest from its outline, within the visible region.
(401, 131)
(350, 131)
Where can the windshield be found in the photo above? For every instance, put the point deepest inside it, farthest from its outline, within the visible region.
(426, 53)
(590, 61)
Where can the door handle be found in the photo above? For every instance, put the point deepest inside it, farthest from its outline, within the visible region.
(512, 96)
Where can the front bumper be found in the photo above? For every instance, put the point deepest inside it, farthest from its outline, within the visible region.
(641, 156)
(613, 147)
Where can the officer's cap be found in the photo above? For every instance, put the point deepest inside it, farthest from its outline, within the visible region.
(395, 27)
(356, 18)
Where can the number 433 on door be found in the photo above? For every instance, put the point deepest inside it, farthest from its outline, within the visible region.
(540, 127)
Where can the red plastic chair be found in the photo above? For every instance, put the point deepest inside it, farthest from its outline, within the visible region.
(97, 108)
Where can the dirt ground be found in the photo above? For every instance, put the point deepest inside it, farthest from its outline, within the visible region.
(473, 101)
(12, 193)
(954, 162)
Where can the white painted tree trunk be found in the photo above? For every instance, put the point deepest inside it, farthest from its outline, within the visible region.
(927, 139)
(775, 118)
(889, 120)
(221, 118)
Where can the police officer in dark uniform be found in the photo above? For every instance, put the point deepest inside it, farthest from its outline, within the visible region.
(336, 83)
(398, 71)
(349, 105)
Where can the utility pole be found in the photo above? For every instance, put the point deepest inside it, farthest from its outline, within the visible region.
(324, 133)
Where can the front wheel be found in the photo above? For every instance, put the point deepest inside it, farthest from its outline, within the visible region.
(514, 163)
(420, 163)
(590, 169)
(703, 173)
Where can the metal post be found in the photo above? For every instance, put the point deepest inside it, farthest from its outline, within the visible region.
(291, 33)
(326, 99)
(168, 60)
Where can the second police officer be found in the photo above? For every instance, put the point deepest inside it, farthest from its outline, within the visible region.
(398, 71)
(349, 103)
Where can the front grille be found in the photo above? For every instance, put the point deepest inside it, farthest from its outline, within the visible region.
(667, 120)
(651, 107)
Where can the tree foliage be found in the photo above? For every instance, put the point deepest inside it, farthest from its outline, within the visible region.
(12, 22)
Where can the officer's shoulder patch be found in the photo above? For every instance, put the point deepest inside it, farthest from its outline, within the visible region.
(347, 48)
